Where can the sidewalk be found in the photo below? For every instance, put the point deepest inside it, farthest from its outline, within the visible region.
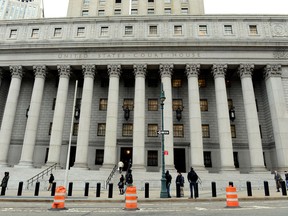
(154, 196)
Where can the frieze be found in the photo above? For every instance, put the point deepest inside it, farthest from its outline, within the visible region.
(279, 30)
(280, 54)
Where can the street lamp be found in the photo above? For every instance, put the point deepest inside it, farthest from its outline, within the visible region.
(163, 193)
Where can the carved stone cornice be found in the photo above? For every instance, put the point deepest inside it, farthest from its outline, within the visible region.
(89, 71)
(166, 70)
(64, 71)
(140, 70)
(219, 70)
(272, 71)
(40, 71)
(245, 70)
(16, 71)
(192, 70)
(114, 70)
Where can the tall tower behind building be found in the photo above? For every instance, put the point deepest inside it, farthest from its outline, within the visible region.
(21, 9)
(78, 8)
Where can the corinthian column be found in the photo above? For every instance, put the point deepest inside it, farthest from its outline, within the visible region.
(110, 149)
(278, 112)
(139, 118)
(85, 117)
(26, 159)
(196, 141)
(251, 116)
(166, 72)
(59, 115)
(9, 112)
(224, 129)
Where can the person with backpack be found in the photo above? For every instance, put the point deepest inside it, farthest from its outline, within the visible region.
(192, 179)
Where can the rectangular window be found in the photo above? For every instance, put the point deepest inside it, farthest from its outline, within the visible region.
(35, 33)
(128, 102)
(50, 128)
(101, 12)
(204, 105)
(207, 159)
(176, 83)
(117, 12)
(134, 1)
(134, 11)
(86, 2)
(167, 11)
(99, 157)
(75, 129)
(13, 33)
(184, 11)
(205, 131)
(167, 1)
(202, 82)
(253, 30)
(85, 12)
(150, 11)
(228, 30)
(152, 104)
(152, 130)
(102, 2)
(233, 131)
(128, 30)
(236, 160)
(177, 103)
(118, 1)
(150, 0)
(203, 30)
(153, 30)
(101, 129)
(152, 158)
(178, 130)
(177, 30)
(80, 31)
(127, 130)
(103, 104)
(104, 31)
(58, 32)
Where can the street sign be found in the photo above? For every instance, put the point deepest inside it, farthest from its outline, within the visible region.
(165, 132)
(165, 152)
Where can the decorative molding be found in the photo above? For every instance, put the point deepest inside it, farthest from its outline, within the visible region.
(280, 53)
(245, 70)
(89, 71)
(114, 70)
(140, 70)
(219, 70)
(166, 70)
(64, 71)
(272, 71)
(17, 71)
(192, 70)
(40, 71)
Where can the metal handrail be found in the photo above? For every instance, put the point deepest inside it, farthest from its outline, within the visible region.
(110, 176)
(41, 174)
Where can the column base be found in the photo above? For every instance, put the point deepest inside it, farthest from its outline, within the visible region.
(228, 170)
(138, 167)
(201, 169)
(24, 164)
(48, 164)
(106, 167)
(79, 166)
(3, 164)
(258, 170)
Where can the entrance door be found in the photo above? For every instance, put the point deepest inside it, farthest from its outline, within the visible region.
(72, 156)
(126, 156)
(180, 159)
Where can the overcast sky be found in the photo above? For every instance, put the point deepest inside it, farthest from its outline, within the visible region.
(58, 8)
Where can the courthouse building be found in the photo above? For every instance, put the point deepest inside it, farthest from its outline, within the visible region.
(225, 79)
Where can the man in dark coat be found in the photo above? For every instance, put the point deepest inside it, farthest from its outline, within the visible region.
(4, 183)
(168, 182)
(192, 179)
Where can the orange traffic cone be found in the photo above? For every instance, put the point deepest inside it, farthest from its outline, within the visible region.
(59, 199)
(131, 199)
(231, 197)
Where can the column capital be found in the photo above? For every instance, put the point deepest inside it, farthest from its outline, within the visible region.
(89, 71)
(140, 70)
(219, 70)
(40, 71)
(16, 71)
(192, 70)
(166, 70)
(64, 70)
(272, 71)
(245, 70)
(114, 70)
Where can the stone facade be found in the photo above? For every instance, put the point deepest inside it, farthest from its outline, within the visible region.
(213, 62)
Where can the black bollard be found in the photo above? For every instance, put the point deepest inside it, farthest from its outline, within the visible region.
(283, 187)
(177, 190)
(98, 189)
(37, 186)
(146, 190)
(86, 191)
(196, 191)
(110, 190)
(231, 183)
(249, 188)
(70, 188)
(214, 192)
(20, 187)
(53, 189)
(266, 188)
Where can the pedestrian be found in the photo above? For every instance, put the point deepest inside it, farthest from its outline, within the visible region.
(168, 182)
(286, 179)
(120, 166)
(192, 179)
(180, 183)
(51, 180)
(4, 183)
(278, 180)
(129, 178)
(121, 185)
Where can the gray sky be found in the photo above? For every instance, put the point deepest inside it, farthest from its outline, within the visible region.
(58, 8)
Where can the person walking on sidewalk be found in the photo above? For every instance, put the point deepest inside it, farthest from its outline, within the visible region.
(180, 183)
(278, 180)
(168, 182)
(51, 180)
(4, 183)
(286, 179)
(121, 185)
(192, 179)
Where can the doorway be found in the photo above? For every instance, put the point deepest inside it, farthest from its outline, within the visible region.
(126, 156)
(72, 156)
(180, 159)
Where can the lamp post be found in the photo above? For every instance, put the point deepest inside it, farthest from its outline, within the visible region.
(163, 193)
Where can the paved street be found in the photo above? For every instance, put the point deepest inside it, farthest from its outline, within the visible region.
(251, 208)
